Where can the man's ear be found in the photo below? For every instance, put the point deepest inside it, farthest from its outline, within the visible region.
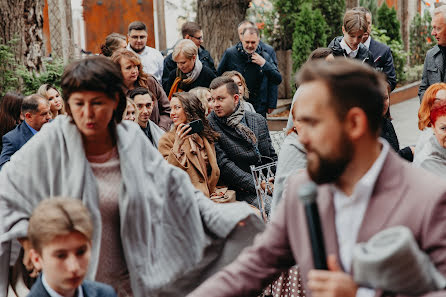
(343, 30)
(28, 115)
(187, 36)
(36, 259)
(236, 98)
(356, 123)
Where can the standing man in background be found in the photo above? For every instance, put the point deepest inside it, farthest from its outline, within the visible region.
(151, 59)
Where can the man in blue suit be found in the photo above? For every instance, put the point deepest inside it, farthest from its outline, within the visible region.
(36, 111)
(382, 56)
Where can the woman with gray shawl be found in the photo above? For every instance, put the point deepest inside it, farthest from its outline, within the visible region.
(155, 234)
(190, 72)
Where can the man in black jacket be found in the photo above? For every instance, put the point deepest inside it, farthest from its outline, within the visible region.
(244, 139)
(382, 56)
(192, 31)
(256, 66)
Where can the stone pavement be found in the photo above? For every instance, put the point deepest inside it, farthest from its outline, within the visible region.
(405, 121)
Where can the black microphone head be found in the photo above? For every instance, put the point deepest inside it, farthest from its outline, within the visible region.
(307, 192)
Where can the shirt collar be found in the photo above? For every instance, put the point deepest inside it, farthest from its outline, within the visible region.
(364, 187)
(33, 131)
(351, 53)
(367, 42)
(53, 293)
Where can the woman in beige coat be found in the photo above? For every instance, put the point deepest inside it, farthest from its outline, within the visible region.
(193, 153)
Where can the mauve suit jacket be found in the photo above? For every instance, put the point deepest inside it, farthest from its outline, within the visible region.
(403, 195)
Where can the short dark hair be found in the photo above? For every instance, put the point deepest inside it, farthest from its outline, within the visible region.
(139, 91)
(351, 84)
(137, 25)
(98, 74)
(320, 53)
(31, 103)
(246, 22)
(190, 28)
(252, 30)
(231, 86)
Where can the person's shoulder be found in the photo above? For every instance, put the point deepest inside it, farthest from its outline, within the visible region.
(254, 116)
(208, 71)
(433, 51)
(14, 132)
(266, 47)
(381, 46)
(97, 289)
(154, 51)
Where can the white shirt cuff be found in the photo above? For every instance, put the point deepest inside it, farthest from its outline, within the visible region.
(365, 292)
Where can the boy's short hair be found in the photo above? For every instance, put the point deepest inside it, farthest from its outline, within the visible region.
(55, 217)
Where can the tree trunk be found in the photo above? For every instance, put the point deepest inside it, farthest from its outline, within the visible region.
(219, 20)
(349, 4)
(23, 20)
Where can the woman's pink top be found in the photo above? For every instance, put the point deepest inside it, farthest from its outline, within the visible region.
(112, 268)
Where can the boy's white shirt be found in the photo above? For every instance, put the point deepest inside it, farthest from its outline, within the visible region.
(53, 293)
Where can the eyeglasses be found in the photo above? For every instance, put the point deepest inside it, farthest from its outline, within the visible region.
(198, 38)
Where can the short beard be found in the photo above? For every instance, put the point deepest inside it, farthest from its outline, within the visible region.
(329, 169)
(136, 50)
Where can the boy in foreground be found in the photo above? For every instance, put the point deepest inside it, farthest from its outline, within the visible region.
(60, 231)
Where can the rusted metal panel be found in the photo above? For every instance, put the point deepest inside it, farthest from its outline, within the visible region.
(103, 17)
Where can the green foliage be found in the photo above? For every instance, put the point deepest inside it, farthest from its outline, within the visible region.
(14, 77)
(333, 12)
(31, 81)
(414, 73)
(397, 48)
(8, 79)
(388, 21)
(281, 21)
(310, 33)
(372, 5)
(421, 39)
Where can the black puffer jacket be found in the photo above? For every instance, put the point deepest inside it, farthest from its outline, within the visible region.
(364, 55)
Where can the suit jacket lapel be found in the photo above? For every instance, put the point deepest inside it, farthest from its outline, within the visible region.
(327, 214)
(387, 194)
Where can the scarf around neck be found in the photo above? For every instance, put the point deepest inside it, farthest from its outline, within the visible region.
(188, 78)
(235, 121)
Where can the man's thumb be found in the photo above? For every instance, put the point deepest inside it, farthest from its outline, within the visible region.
(332, 263)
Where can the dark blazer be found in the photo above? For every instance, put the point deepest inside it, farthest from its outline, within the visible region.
(258, 79)
(204, 80)
(90, 289)
(169, 63)
(363, 55)
(273, 89)
(433, 70)
(403, 195)
(235, 154)
(383, 59)
(13, 141)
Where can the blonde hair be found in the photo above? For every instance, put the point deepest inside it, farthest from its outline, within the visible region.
(55, 217)
(354, 21)
(187, 47)
(424, 112)
(201, 93)
(131, 102)
(43, 91)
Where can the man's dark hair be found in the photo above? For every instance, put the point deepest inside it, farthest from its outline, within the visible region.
(320, 53)
(190, 28)
(362, 9)
(251, 30)
(139, 91)
(351, 84)
(98, 74)
(137, 25)
(231, 86)
(31, 103)
(246, 22)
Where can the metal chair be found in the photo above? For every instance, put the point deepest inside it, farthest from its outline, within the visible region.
(264, 174)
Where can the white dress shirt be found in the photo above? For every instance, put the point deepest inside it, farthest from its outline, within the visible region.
(152, 61)
(53, 293)
(350, 210)
(351, 53)
(367, 42)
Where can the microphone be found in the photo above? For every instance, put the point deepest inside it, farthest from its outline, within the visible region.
(307, 193)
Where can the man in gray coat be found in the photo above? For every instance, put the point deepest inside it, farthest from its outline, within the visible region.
(244, 139)
(434, 64)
